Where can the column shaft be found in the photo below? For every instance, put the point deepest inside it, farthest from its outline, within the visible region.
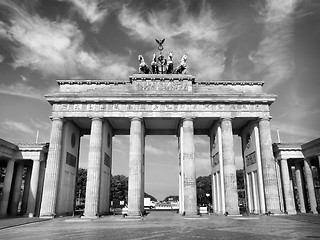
(33, 188)
(310, 186)
(268, 167)
(287, 187)
(190, 191)
(135, 168)
(52, 174)
(16, 190)
(254, 191)
(300, 186)
(229, 168)
(26, 189)
(94, 170)
(6, 188)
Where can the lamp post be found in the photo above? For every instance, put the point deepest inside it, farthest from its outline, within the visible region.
(208, 205)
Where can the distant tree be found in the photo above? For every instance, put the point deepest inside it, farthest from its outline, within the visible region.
(203, 188)
(119, 188)
(240, 179)
(81, 185)
(171, 198)
(152, 198)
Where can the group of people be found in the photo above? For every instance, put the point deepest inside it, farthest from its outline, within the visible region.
(161, 65)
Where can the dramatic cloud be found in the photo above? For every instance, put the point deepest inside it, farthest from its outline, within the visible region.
(56, 48)
(16, 127)
(92, 11)
(273, 61)
(1, 58)
(200, 35)
(22, 90)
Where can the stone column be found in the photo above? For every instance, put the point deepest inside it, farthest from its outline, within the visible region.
(51, 181)
(33, 188)
(16, 193)
(91, 209)
(310, 185)
(135, 168)
(287, 187)
(254, 191)
(6, 188)
(214, 192)
(300, 186)
(268, 167)
(229, 167)
(190, 191)
(26, 189)
(249, 192)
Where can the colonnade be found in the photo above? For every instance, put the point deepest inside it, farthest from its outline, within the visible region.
(299, 193)
(14, 201)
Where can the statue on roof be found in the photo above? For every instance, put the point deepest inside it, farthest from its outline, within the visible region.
(162, 65)
(143, 67)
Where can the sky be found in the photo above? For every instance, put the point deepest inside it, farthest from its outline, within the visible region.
(277, 42)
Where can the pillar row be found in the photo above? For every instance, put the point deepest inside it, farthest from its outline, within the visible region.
(229, 167)
(310, 185)
(135, 188)
(287, 187)
(94, 171)
(16, 191)
(51, 181)
(300, 186)
(6, 188)
(34, 181)
(268, 167)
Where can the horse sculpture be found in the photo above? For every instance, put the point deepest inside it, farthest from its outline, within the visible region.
(143, 67)
(182, 67)
(154, 66)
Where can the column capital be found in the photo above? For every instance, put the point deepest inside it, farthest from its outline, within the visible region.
(187, 119)
(58, 119)
(96, 119)
(225, 119)
(136, 119)
(264, 118)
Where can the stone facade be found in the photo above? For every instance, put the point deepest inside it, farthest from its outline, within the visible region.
(160, 104)
(17, 159)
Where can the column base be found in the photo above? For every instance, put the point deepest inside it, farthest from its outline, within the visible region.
(137, 217)
(49, 216)
(90, 217)
(291, 212)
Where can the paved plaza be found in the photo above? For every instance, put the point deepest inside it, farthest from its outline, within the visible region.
(169, 225)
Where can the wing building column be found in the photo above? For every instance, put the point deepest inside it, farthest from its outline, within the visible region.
(300, 186)
(310, 185)
(6, 188)
(287, 187)
(51, 181)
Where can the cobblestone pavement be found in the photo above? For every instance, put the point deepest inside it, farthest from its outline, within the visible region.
(170, 225)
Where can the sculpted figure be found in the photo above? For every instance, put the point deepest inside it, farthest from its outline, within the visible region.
(154, 67)
(162, 64)
(143, 67)
(182, 68)
(169, 64)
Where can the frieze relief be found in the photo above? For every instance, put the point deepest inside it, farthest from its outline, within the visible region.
(162, 86)
(167, 107)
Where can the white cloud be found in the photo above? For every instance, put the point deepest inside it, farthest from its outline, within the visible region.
(17, 127)
(92, 11)
(273, 61)
(22, 90)
(1, 58)
(57, 48)
(201, 36)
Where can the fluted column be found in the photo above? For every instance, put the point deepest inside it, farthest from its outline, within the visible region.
(6, 188)
(16, 190)
(310, 185)
(190, 191)
(287, 187)
(229, 167)
(52, 174)
(300, 186)
(94, 170)
(135, 168)
(33, 188)
(268, 167)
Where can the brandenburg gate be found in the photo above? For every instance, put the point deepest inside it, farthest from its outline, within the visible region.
(160, 103)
